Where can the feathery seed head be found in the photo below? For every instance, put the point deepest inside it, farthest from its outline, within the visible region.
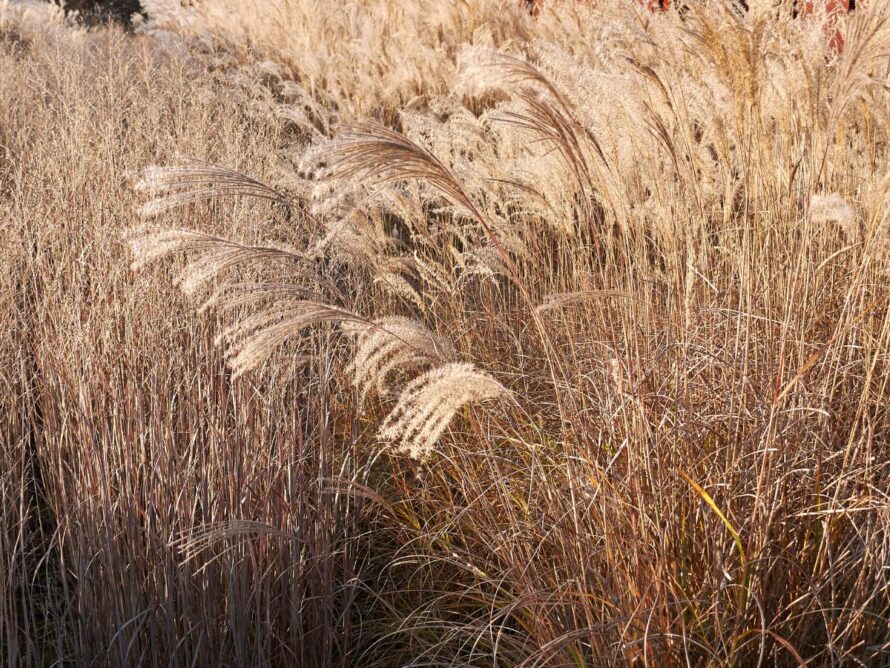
(428, 404)
(390, 345)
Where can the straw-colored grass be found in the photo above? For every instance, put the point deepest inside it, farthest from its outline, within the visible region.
(503, 339)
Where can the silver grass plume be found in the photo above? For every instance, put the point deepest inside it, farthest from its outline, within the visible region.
(252, 340)
(429, 402)
(192, 543)
(196, 180)
(491, 69)
(833, 208)
(557, 301)
(209, 255)
(484, 69)
(392, 344)
(862, 63)
(830, 207)
(376, 155)
(287, 304)
(545, 111)
(552, 123)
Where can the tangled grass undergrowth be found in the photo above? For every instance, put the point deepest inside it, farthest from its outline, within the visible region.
(508, 340)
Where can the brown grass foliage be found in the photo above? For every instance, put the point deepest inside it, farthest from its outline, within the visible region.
(507, 340)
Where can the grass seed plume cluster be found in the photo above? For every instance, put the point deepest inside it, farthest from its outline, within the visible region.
(501, 339)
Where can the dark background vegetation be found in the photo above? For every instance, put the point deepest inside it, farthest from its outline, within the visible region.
(99, 11)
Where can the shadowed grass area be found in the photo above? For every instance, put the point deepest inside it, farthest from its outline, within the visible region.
(100, 11)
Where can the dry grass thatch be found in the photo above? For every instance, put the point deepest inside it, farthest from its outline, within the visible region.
(505, 339)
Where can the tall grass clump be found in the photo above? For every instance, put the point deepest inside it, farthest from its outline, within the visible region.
(131, 465)
(552, 340)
